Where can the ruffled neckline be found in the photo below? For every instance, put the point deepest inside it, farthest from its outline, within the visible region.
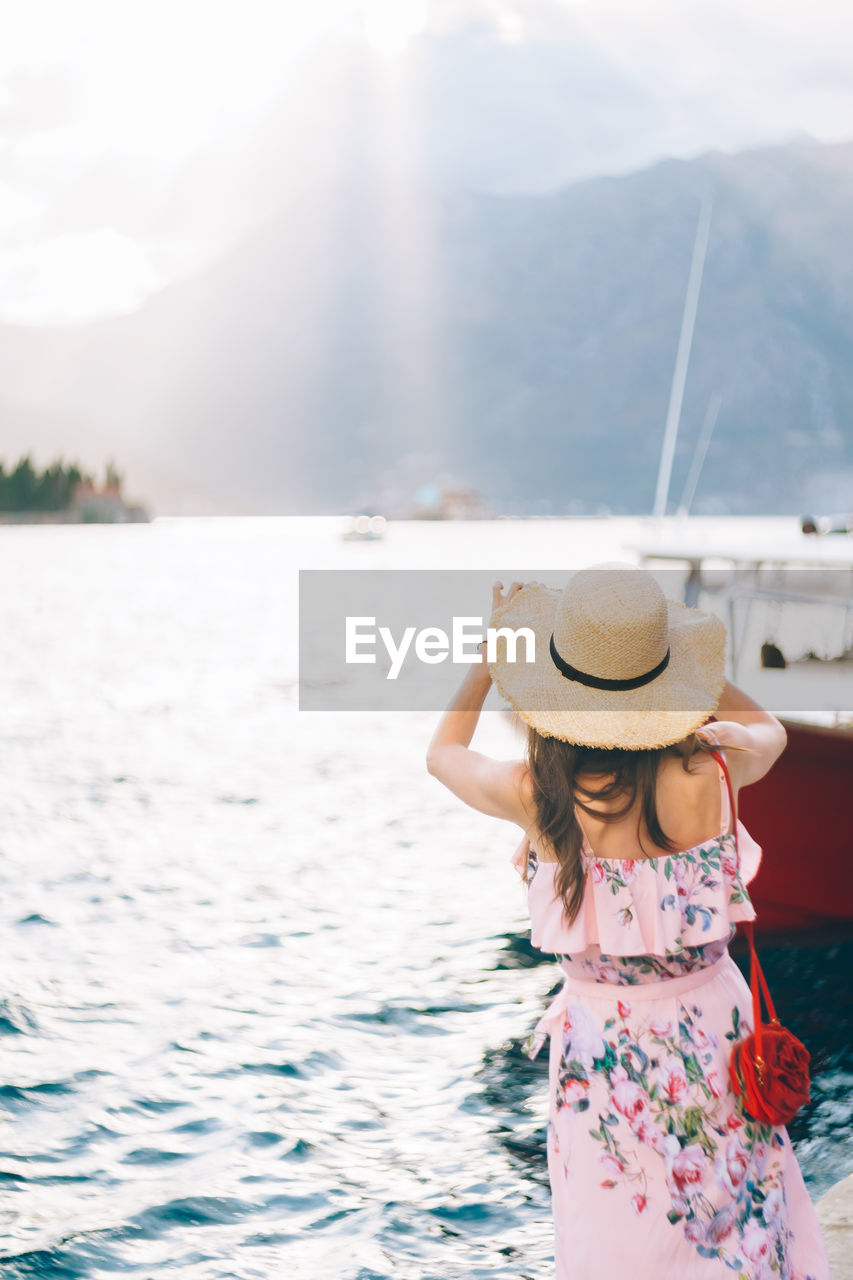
(646, 906)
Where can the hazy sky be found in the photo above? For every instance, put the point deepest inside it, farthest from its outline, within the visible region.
(141, 138)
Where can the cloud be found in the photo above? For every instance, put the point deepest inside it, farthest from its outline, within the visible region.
(76, 277)
(35, 101)
(178, 128)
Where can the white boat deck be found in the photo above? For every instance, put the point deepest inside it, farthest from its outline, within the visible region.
(775, 586)
(829, 551)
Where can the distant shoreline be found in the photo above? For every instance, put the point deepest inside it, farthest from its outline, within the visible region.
(135, 515)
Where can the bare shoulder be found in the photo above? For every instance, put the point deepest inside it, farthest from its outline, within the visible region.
(526, 790)
(693, 784)
(526, 796)
(700, 765)
(529, 816)
(688, 799)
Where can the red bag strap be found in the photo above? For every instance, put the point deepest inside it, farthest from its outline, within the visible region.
(757, 980)
(756, 976)
(721, 761)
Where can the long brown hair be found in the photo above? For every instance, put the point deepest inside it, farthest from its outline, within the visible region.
(554, 768)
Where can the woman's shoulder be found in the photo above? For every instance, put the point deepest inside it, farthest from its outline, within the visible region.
(699, 772)
(526, 788)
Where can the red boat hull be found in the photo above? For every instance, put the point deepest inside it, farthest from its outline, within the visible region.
(801, 814)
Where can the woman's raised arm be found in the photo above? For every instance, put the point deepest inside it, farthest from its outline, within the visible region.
(494, 787)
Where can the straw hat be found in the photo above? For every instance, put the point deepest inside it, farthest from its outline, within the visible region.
(616, 663)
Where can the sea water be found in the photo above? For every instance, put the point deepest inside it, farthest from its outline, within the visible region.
(264, 981)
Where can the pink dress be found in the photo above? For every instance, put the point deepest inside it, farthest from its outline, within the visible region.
(656, 1171)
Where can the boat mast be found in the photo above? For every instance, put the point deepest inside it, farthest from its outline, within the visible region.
(679, 377)
(699, 454)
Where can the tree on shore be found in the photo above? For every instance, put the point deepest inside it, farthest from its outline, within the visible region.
(23, 488)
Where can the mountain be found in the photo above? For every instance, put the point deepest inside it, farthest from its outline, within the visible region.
(375, 337)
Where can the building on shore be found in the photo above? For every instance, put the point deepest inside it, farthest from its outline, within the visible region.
(449, 502)
(105, 505)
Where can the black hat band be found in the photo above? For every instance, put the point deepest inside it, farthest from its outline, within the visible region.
(598, 682)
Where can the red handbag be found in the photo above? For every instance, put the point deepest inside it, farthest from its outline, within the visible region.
(769, 1069)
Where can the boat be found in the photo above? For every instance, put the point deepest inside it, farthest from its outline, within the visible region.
(800, 815)
(365, 528)
(800, 811)
(827, 524)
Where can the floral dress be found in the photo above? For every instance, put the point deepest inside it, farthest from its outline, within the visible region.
(656, 1171)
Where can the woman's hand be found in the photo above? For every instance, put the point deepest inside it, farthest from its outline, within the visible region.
(478, 673)
(741, 722)
(498, 598)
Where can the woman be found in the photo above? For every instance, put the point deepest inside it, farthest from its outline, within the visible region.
(636, 880)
